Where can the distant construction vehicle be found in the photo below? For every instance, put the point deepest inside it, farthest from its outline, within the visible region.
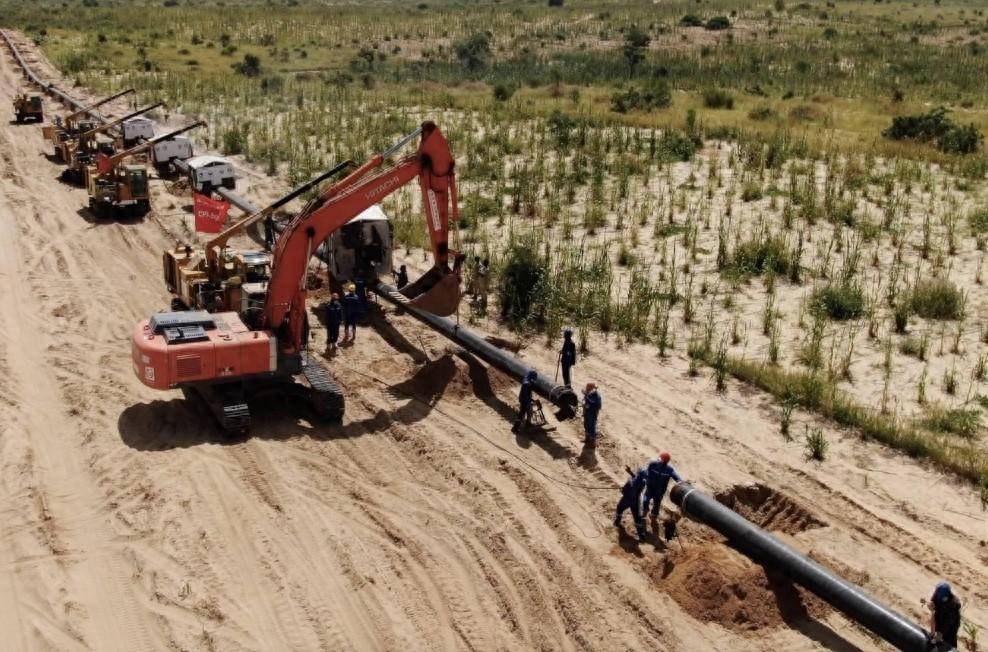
(208, 172)
(80, 151)
(256, 341)
(72, 125)
(115, 185)
(215, 277)
(134, 130)
(28, 107)
(165, 153)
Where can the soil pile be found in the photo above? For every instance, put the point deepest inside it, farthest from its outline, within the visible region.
(714, 583)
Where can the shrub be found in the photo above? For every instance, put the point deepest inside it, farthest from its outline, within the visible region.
(762, 113)
(691, 20)
(758, 255)
(716, 98)
(839, 301)
(816, 444)
(636, 42)
(474, 51)
(954, 421)
(937, 128)
(562, 125)
(718, 23)
(654, 95)
(503, 92)
(234, 141)
(522, 281)
(479, 206)
(249, 67)
(805, 113)
(752, 191)
(678, 145)
(937, 299)
(979, 221)
(555, 3)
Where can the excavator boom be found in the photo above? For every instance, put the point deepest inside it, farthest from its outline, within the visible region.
(69, 119)
(111, 162)
(217, 243)
(109, 125)
(432, 164)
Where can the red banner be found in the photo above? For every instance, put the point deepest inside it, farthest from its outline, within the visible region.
(210, 213)
(103, 163)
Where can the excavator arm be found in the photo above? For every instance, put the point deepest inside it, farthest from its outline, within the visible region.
(217, 243)
(69, 120)
(432, 165)
(109, 125)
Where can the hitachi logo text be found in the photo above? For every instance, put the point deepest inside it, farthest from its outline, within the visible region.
(382, 188)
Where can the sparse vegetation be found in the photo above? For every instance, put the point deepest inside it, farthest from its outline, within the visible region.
(625, 178)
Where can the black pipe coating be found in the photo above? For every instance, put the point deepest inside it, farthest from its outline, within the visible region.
(768, 551)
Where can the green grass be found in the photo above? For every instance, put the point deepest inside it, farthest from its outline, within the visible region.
(937, 299)
(841, 301)
(812, 391)
(954, 421)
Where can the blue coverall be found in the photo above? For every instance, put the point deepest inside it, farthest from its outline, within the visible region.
(351, 312)
(592, 402)
(524, 405)
(630, 496)
(334, 317)
(567, 357)
(659, 474)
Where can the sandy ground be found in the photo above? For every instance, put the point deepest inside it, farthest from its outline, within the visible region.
(421, 522)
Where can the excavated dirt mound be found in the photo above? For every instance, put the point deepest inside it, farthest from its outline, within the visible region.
(714, 583)
(769, 509)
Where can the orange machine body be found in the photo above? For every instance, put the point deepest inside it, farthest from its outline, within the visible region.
(222, 348)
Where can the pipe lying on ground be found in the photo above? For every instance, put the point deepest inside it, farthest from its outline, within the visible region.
(768, 551)
(45, 86)
(561, 396)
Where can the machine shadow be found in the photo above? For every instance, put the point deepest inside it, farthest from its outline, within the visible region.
(796, 616)
(180, 423)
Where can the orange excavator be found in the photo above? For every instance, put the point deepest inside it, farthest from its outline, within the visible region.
(227, 358)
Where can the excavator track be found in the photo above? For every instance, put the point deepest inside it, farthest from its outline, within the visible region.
(325, 395)
(228, 405)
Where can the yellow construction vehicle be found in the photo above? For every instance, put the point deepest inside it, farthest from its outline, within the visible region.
(67, 128)
(81, 150)
(114, 184)
(28, 107)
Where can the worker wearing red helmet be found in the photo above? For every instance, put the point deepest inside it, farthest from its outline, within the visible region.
(660, 471)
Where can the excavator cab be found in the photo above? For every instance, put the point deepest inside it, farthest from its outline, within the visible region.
(28, 108)
(136, 181)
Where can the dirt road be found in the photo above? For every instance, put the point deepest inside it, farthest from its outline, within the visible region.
(422, 522)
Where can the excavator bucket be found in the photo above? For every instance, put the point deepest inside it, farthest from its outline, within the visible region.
(437, 291)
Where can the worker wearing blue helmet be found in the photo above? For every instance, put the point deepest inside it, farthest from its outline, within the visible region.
(945, 620)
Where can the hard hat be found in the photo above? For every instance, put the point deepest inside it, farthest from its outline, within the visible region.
(590, 387)
(941, 592)
(531, 375)
(567, 331)
(665, 457)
